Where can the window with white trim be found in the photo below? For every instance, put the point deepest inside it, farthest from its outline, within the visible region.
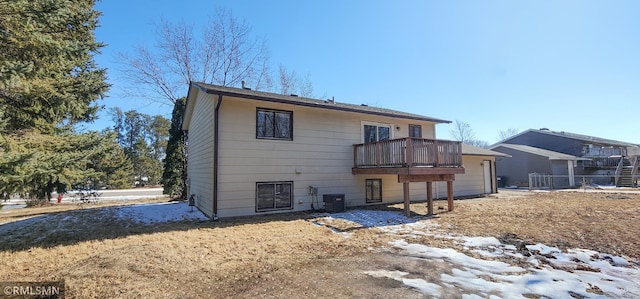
(372, 132)
(272, 196)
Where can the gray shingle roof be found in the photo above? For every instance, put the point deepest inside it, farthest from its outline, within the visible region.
(537, 151)
(478, 151)
(585, 138)
(322, 104)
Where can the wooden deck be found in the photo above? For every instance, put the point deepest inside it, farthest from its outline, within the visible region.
(408, 156)
(412, 160)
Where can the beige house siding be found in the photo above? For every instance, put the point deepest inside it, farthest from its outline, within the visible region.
(471, 182)
(200, 153)
(320, 155)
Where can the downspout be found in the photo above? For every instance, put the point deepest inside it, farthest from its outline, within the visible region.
(216, 124)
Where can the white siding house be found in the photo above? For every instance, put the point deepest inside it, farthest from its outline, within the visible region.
(269, 153)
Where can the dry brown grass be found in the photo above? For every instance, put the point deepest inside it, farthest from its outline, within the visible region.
(284, 255)
(606, 222)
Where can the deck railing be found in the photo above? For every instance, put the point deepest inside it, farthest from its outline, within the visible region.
(601, 162)
(408, 152)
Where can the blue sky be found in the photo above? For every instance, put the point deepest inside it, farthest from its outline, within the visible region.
(565, 65)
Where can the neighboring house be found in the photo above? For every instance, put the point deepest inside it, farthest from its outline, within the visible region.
(253, 152)
(566, 155)
(526, 159)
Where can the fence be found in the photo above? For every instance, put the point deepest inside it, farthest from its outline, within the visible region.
(547, 181)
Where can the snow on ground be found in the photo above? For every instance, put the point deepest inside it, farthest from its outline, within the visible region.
(151, 213)
(490, 269)
(159, 212)
(365, 218)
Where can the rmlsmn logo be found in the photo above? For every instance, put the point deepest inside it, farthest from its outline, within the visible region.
(33, 289)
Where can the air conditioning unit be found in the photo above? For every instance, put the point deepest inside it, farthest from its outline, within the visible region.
(333, 203)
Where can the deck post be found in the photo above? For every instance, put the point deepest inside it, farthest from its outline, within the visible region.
(429, 198)
(407, 207)
(450, 195)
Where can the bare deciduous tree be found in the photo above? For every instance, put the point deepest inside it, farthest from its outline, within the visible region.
(224, 53)
(288, 80)
(306, 87)
(504, 134)
(291, 83)
(462, 132)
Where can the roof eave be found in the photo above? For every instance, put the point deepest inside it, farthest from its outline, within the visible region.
(313, 105)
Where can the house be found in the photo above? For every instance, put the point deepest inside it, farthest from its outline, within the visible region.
(564, 156)
(253, 152)
(526, 159)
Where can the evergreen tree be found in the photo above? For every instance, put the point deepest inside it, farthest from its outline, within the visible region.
(175, 164)
(34, 164)
(113, 169)
(48, 82)
(143, 139)
(47, 73)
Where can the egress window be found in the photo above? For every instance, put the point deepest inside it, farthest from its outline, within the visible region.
(274, 196)
(274, 124)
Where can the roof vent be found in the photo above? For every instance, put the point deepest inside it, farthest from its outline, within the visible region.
(293, 95)
(244, 85)
(544, 129)
(364, 105)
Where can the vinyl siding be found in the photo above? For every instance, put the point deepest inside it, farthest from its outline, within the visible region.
(200, 153)
(321, 151)
(320, 155)
(516, 169)
(469, 183)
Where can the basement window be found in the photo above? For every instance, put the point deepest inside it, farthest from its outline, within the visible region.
(274, 124)
(272, 196)
(374, 190)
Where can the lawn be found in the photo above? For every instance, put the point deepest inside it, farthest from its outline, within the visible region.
(115, 252)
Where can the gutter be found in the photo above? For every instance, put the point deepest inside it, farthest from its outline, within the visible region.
(216, 124)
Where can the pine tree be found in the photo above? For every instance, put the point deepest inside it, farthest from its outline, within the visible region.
(175, 164)
(143, 139)
(47, 72)
(48, 82)
(35, 164)
(114, 169)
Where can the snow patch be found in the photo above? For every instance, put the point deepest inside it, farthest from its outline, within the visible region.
(501, 270)
(424, 287)
(480, 241)
(371, 218)
(159, 212)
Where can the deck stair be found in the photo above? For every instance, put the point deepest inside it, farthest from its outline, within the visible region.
(626, 173)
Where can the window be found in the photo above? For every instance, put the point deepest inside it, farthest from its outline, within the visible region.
(376, 132)
(274, 124)
(274, 196)
(374, 190)
(415, 131)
